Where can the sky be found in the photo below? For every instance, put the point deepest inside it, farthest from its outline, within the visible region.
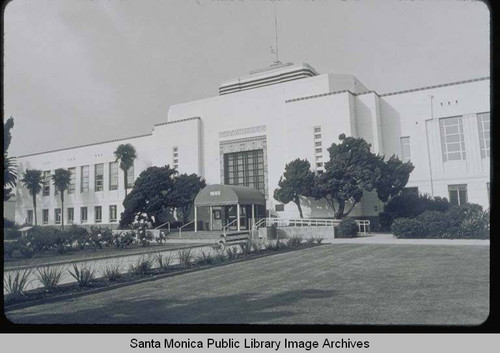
(84, 71)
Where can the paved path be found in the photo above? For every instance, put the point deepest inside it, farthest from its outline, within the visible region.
(331, 284)
(387, 238)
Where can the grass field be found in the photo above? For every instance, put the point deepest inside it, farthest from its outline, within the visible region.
(331, 284)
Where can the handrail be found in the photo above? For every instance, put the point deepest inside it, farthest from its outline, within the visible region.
(163, 225)
(227, 225)
(180, 228)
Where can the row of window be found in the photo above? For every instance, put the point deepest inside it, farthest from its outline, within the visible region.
(70, 212)
(457, 193)
(84, 179)
(452, 138)
(318, 149)
(245, 168)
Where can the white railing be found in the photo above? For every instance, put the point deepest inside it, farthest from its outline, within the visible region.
(161, 225)
(364, 226)
(224, 229)
(180, 228)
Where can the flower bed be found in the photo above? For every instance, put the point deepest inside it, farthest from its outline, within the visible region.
(148, 267)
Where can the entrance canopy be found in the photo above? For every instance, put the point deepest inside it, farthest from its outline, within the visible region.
(221, 195)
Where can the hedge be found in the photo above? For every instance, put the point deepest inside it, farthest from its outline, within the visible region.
(348, 228)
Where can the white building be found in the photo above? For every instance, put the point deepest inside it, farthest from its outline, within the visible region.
(275, 115)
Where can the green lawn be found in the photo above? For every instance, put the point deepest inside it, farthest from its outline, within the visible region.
(331, 284)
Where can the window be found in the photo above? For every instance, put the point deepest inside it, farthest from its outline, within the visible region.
(130, 177)
(317, 143)
(45, 216)
(46, 183)
(452, 138)
(175, 156)
(30, 217)
(483, 124)
(72, 181)
(98, 214)
(319, 164)
(317, 136)
(405, 149)
(410, 191)
(113, 176)
(245, 168)
(319, 150)
(83, 214)
(112, 213)
(58, 215)
(458, 194)
(99, 177)
(279, 207)
(317, 129)
(85, 178)
(71, 215)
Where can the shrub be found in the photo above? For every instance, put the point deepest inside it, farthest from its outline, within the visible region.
(232, 253)
(99, 236)
(143, 265)
(205, 258)
(9, 248)
(256, 245)
(7, 223)
(111, 272)
(407, 228)
(83, 273)
(41, 238)
(15, 283)
(245, 248)
(26, 248)
(123, 239)
(411, 205)
(161, 238)
(385, 219)
(163, 260)
(435, 224)
(78, 236)
(294, 240)
(145, 237)
(348, 228)
(11, 233)
(185, 257)
(468, 221)
(318, 240)
(310, 241)
(49, 276)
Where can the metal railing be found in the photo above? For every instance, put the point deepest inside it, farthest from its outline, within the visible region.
(226, 226)
(180, 228)
(161, 225)
(364, 226)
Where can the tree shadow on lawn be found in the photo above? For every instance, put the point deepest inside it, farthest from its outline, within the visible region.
(229, 309)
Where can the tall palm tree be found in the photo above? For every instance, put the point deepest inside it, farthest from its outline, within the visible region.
(9, 164)
(126, 154)
(32, 180)
(61, 180)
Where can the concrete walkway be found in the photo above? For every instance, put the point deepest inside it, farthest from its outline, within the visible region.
(387, 238)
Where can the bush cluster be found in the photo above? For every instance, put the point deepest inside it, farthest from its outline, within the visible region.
(348, 228)
(458, 222)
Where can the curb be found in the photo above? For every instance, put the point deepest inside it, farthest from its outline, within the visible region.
(47, 300)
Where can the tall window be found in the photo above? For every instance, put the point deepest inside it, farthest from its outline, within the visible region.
(458, 194)
(58, 215)
(130, 177)
(245, 168)
(99, 177)
(46, 183)
(85, 178)
(98, 214)
(72, 182)
(483, 123)
(452, 138)
(112, 213)
(30, 217)
(113, 176)
(83, 214)
(71, 215)
(175, 157)
(318, 150)
(405, 149)
(45, 216)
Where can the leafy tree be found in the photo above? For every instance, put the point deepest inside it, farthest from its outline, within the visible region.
(152, 193)
(61, 180)
(296, 181)
(186, 187)
(393, 177)
(9, 166)
(126, 154)
(351, 169)
(32, 180)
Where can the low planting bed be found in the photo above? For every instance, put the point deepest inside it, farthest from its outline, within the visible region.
(148, 267)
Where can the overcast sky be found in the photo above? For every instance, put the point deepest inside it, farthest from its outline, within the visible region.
(81, 71)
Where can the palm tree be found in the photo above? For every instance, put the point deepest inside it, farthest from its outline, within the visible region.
(9, 165)
(61, 180)
(32, 180)
(126, 155)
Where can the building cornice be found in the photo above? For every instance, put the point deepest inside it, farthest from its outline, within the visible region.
(178, 121)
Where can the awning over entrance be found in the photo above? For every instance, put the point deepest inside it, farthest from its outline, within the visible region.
(220, 195)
